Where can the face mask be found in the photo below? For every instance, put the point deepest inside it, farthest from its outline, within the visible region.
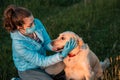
(30, 30)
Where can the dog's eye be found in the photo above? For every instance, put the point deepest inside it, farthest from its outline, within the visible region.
(62, 38)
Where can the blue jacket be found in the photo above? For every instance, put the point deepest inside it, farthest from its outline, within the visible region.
(29, 54)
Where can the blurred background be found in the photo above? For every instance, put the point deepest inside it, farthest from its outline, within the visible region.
(96, 21)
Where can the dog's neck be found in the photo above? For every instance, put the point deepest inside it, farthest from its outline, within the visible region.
(74, 52)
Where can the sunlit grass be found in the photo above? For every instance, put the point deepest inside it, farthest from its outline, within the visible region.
(113, 72)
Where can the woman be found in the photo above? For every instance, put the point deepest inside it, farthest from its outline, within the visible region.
(29, 44)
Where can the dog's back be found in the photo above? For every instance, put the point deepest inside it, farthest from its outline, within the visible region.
(95, 65)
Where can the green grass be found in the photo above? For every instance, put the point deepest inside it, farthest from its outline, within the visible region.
(97, 22)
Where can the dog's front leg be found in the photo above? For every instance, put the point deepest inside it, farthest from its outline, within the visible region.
(89, 75)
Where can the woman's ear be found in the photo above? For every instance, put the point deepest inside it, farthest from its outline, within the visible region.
(19, 27)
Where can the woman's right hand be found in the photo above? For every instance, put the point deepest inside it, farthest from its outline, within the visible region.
(69, 46)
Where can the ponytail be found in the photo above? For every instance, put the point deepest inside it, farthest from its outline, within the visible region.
(8, 24)
(13, 17)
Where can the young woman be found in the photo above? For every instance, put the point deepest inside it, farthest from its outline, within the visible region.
(29, 44)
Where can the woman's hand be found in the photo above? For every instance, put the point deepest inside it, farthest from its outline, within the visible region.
(69, 46)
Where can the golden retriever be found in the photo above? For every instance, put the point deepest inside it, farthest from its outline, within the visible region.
(81, 63)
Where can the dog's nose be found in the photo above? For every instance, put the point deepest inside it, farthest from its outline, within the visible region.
(52, 43)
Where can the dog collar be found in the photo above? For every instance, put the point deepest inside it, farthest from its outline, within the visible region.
(72, 55)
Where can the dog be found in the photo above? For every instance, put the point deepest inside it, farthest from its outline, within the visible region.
(81, 63)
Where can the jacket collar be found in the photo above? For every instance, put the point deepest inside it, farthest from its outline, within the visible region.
(18, 36)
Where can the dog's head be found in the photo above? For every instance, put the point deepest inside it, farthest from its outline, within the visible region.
(59, 43)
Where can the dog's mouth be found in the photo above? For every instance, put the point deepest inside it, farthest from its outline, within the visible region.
(58, 49)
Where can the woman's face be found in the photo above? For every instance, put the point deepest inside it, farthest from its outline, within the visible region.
(28, 22)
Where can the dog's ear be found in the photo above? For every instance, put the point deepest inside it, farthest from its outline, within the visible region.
(79, 41)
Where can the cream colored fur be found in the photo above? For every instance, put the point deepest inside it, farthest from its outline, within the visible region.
(84, 65)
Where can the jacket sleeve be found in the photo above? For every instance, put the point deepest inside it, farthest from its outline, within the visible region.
(45, 35)
(36, 58)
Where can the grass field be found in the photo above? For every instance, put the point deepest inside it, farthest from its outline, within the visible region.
(96, 21)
